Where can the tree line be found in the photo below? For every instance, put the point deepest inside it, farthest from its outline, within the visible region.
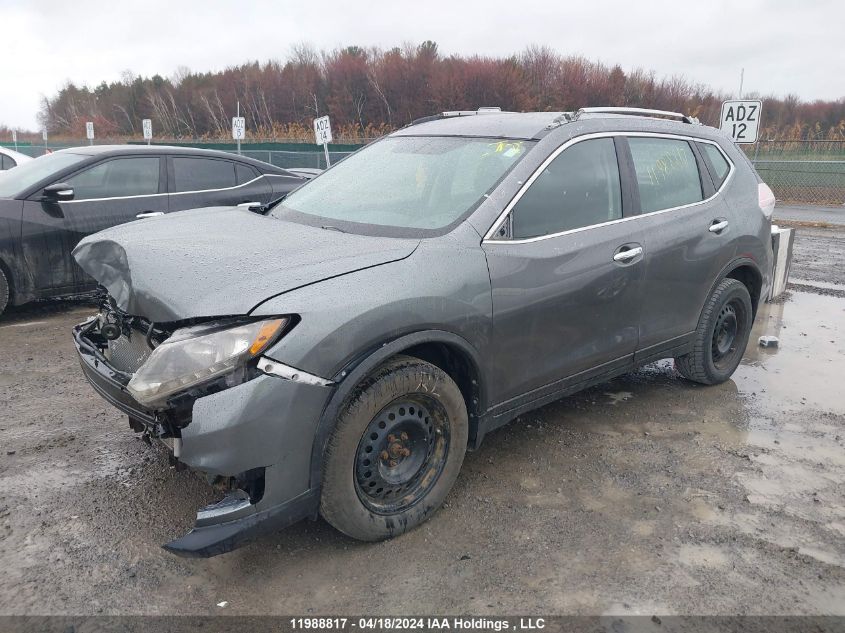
(370, 91)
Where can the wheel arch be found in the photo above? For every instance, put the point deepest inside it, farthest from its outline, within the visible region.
(446, 350)
(21, 283)
(745, 271)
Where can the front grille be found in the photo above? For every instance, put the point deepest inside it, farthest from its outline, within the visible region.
(128, 352)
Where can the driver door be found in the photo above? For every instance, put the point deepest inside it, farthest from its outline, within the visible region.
(111, 192)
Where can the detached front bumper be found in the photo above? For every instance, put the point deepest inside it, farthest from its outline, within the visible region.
(264, 427)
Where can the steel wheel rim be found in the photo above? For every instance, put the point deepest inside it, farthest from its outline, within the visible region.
(401, 454)
(727, 334)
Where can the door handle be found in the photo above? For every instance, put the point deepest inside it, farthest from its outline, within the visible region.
(631, 253)
(149, 214)
(718, 225)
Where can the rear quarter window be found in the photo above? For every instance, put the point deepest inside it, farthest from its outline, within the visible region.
(244, 173)
(200, 174)
(717, 164)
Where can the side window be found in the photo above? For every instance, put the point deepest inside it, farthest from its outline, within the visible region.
(667, 173)
(117, 177)
(244, 173)
(578, 188)
(719, 166)
(199, 174)
(6, 162)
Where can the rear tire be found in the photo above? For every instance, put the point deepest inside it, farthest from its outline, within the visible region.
(396, 451)
(4, 291)
(721, 337)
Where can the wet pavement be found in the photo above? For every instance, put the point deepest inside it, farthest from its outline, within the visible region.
(645, 495)
(810, 214)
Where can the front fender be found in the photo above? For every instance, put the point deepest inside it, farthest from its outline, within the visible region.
(349, 325)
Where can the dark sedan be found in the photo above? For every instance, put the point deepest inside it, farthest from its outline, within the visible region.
(49, 204)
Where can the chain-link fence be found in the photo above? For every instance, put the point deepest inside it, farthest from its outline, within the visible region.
(802, 171)
(288, 159)
(819, 182)
(30, 150)
(809, 150)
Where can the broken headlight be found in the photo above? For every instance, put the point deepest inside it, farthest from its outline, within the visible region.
(194, 355)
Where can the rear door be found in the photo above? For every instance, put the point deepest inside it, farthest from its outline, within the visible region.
(113, 191)
(197, 182)
(566, 269)
(687, 237)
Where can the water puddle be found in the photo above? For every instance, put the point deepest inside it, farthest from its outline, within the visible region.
(795, 438)
(800, 372)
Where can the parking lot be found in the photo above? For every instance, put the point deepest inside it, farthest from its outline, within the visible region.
(645, 495)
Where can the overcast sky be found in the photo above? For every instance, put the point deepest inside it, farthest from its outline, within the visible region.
(785, 46)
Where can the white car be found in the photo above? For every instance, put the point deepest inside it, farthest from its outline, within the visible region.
(10, 158)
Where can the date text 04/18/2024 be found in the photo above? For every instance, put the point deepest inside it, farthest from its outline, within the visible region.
(411, 623)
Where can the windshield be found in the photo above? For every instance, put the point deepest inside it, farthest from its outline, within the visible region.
(17, 180)
(409, 182)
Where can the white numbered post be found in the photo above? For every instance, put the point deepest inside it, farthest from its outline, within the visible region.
(15, 139)
(44, 138)
(89, 132)
(323, 135)
(147, 125)
(741, 120)
(238, 130)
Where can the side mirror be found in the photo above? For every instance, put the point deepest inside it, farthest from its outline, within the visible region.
(58, 192)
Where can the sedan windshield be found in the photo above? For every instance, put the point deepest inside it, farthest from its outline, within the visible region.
(406, 182)
(15, 181)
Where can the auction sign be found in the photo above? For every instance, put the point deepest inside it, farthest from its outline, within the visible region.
(741, 120)
(323, 135)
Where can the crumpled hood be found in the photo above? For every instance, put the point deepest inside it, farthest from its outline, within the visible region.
(221, 261)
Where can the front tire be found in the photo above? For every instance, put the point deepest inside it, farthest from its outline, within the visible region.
(721, 337)
(396, 451)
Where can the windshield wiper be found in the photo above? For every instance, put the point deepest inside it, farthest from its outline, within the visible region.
(329, 227)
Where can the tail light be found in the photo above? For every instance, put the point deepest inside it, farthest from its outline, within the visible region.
(766, 199)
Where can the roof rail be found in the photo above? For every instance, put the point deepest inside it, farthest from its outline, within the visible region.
(638, 112)
(454, 113)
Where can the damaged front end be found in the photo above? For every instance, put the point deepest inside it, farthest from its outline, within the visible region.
(205, 389)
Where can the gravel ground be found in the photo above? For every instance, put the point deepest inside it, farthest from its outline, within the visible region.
(819, 256)
(645, 495)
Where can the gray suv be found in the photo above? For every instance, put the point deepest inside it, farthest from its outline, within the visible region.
(338, 352)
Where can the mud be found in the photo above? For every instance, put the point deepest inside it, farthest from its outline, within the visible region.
(644, 495)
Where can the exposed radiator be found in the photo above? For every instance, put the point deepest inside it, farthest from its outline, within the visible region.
(128, 353)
